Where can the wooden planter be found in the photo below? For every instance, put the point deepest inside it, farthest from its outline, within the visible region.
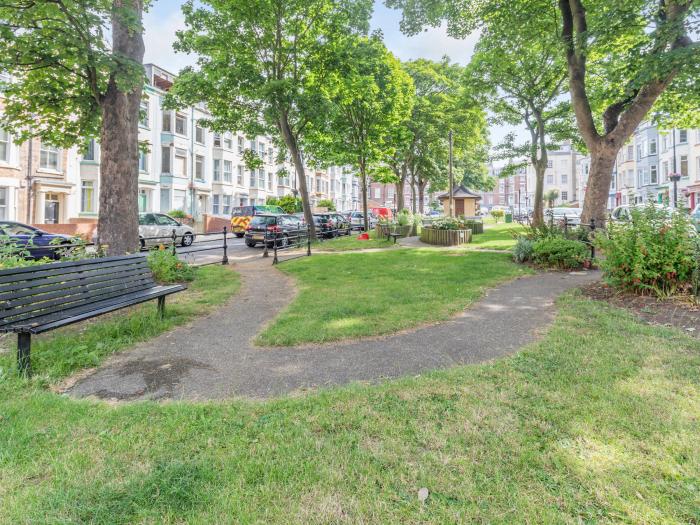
(446, 237)
(476, 228)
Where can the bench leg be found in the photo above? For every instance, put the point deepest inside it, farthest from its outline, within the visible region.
(24, 345)
(161, 307)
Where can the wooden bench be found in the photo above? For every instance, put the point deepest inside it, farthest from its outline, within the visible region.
(37, 299)
(394, 236)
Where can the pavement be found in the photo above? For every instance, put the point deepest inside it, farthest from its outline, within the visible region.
(214, 358)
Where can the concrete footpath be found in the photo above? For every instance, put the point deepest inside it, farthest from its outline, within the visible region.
(214, 358)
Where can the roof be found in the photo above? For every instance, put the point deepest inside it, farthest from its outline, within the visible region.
(460, 191)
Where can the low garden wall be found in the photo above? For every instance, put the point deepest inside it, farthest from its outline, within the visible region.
(446, 237)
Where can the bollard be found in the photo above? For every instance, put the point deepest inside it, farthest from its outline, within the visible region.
(265, 253)
(592, 238)
(308, 241)
(174, 243)
(225, 259)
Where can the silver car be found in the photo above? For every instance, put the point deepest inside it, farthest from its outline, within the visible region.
(357, 220)
(157, 228)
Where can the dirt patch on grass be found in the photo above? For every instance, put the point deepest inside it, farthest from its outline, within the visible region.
(679, 312)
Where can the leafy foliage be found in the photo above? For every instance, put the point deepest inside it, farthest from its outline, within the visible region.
(326, 203)
(453, 223)
(651, 253)
(497, 214)
(288, 203)
(523, 249)
(167, 268)
(559, 253)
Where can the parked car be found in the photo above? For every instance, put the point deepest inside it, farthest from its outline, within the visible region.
(36, 242)
(329, 225)
(242, 215)
(623, 213)
(157, 228)
(357, 220)
(263, 227)
(573, 215)
(342, 224)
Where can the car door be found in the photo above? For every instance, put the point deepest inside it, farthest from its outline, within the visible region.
(166, 227)
(148, 229)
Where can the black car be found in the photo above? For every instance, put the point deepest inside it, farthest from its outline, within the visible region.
(284, 228)
(329, 225)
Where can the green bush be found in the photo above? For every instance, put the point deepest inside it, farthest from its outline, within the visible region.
(559, 253)
(654, 252)
(177, 214)
(497, 214)
(404, 218)
(459, 223)
(288, 203)
(326, 203)
(522, 252)
(167, 268)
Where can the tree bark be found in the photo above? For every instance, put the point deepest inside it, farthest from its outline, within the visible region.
(400, 187)
(538, 212)
(421, 195)
(293, 146)
(413, 192)
(363, 187)
(117, 225)
(598, 185)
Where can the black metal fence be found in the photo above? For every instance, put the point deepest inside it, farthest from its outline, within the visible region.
(283, 242)
(189, 246)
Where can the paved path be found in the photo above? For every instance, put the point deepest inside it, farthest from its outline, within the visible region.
(213, 358)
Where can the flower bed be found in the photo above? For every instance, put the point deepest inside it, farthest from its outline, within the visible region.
(442, 237)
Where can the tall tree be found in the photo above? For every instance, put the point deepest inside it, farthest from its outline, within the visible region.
(369, 95)
(260, 64)
(69, 83)
(622, 59)
(522, 83)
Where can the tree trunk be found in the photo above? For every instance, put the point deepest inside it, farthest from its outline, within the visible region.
(363, 186)
(118, 225)
(421, 195)
(538, 212)
(598, 184)
(413, 192)
(293, 146)
(400, 187)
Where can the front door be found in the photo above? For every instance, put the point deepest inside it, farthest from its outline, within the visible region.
(201, 204)
(459, 207)
(51, 209)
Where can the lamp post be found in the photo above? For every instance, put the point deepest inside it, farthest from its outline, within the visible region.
(675, 177)
(452, 201)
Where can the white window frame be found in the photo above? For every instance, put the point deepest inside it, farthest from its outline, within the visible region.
(87, 186)
(47, 152)
(228, 171)
(199, 165)
(180, 117)
(200, 135)
(217, 170)
(7, 142)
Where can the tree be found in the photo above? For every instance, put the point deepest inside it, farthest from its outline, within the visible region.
(261, 63)
(70, 84)
(522, 84)
(550, 196)
(368, 95)
(622, 60)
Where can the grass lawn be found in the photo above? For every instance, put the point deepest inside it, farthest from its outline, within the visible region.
(496, 236)
(597, 423)
(61, 352)
(363, 294)
(349, 243)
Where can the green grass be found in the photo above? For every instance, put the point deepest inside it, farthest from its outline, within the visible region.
(363, 294)
(62, 352)
(496, 237)
(597, 423)
(350, 243)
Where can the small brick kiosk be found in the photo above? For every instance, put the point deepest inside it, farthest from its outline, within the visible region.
(465, 202)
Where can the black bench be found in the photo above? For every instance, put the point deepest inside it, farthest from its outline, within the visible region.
(37, 299)
(394, 236)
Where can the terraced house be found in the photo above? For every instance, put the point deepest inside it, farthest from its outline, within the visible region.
(183, 166)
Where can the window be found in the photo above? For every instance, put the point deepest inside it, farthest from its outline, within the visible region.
(261, 178)
(253, 180)
(639, 151)
(261, 151)
(164, 200)
(241, 145)
(199, 167)
(180, 200)
(682, 136)
(640, 177)
(143, 161)
(270, 155)
(227, 205)
(165, 160)
(181, 124)
(180, 163)
(199, 134)
(550, 179)
(89, 150)
(564, 178)
(215, 204)
(654, 176)
(87, 196)
(4, 146)
(684, 165)
(144, 120)
(228, 171)
(217, 170)
(269, 181)
(630, 152)
(3, 203)
(228, 141)
(664, 171)
(664, 144)
(49, 158)
(652, 147)
(167, 121)
(550, 163)
(240, 175)
(377, 193)
(217, 140)
(564, 196)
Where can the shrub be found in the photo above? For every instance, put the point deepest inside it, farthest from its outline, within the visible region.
(326, 203)
(559, 253)
(654, 252)
(522, 252)
(449, 223)
(177, 214)
(167, 268)
(497, 214)
(404, 218)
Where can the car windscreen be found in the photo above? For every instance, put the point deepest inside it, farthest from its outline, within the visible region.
(268, 208)
(263, 221)
(242, 211)
(17, 229)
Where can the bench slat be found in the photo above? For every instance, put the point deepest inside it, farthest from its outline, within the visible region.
(13, 274)
(97, 309)
(70, 289)
(106, 274)
(34, 313)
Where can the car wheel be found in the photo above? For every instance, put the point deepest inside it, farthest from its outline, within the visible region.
(187, 239)
(250, 244)
(240, 235)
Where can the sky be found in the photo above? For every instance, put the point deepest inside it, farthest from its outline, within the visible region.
(165, 18)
